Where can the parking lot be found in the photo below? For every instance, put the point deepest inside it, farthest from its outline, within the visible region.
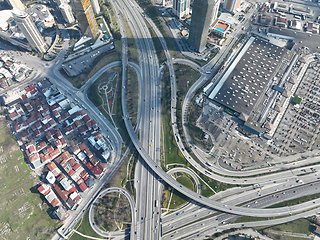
(298, 132)
(78, 65)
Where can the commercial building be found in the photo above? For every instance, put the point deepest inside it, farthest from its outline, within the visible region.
(220, 28)
(281, 22)
(295, 24)
(231, 5)
(29, 30)
(181, 7)
(281, 7)
(66, 12)
(200, 23)
(16, 4)
(95, 6)
(301, 10)
(85, 16)
(244, 87)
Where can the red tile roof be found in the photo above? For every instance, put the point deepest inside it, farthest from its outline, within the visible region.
(83, 146)
(76, 167)
(55, 202)
(71, 190)
(83, 187)
(51, 166)
(96, 171)
(89, 165)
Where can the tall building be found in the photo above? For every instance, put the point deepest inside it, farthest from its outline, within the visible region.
(95, 6)
(85, 17)
(16, 4)
(231, 5)
(66, 12)
(29, 30)
(215, 10)
(181, 7)
(200, 22)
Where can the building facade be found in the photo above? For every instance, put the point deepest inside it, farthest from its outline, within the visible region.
(66, 12)
(215, 10)
(85, 16)
(95, 6)
(200, 24)
(181, 7)
(29, 30)
(16, 4)
(231, 5)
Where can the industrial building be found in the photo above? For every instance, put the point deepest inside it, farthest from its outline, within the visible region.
(245, 87)
(200, 24)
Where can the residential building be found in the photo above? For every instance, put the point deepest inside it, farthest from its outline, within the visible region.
(29, 30)
(95, 6)
(66, 12)
(215, 10)
(85, 16)
(200, 23)
(231, 5)
(181, 7)
(16, 4)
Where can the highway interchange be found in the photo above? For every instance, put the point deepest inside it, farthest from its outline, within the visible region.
(146, 213)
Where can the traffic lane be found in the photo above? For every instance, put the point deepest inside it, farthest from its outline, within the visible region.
(223, 219)
(251, 195)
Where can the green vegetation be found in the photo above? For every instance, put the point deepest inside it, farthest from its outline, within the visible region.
(296, 100)
(132, 48)
(177, 199)
(114, 99)
(172, 152)
(85, 229)
(186, 181)
(111, 19)
(23, 211)
(132, 95)
(112, 212)
(298, 226)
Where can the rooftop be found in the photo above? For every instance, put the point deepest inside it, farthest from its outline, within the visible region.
(248, 76)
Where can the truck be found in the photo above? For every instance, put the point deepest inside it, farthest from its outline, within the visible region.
(156, 203)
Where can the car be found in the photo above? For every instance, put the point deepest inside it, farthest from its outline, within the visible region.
(278, 196)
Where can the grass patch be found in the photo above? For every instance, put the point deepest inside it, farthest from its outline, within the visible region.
(132, 95)
(132, 48)
(177, 199)
(185, 181)
(85, 229)
(298, 226)
(23, 211)
(172, 152)
(114, 99)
